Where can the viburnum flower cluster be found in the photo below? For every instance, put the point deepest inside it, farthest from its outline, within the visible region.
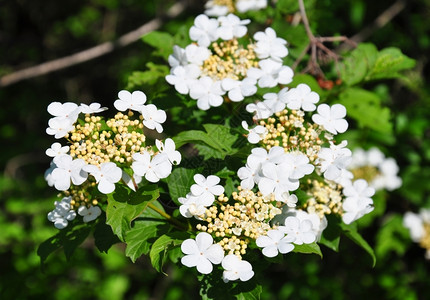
(419, 228)
(375, 168)
(223, 63)
(218, 8)
(102, 153)
(298, 152)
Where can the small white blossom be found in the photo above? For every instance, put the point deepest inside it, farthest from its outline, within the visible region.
(106, 175)
(207, 93)
(333, 160)
(153, 170)
(299, 230)
(178, 57)
(215, 10)
(332, 118)
(89, 213)
(275, 242)
(196, 54)
(193, 206)
(238, 90)
(255, 134)
(59, 127)
(290, 200)
(415, 223)
(243, 6)
(93, 108)
(275, 101)
(236, 268)
(357, 202)
(62, 213)
(56, 150)
(204, 31)
(134, 101)
(207, 188)
(169, 148)
(231, 27)
(261, 110)
(68, 110)
(299, 164)
(153, 117)
(182, 77)
(302, 97)
(201, 253)
(269, 45)
(276, 180)
(68, 169)
(271, 73)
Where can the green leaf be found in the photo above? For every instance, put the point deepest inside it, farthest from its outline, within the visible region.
(162, 245)
(179, 183)
(254, 294)
(365, 108)
(68, 238)
(149, 77)
(351, 232)
(145, 229)
(104, 238)
(308, 249)
(392, 237)
(162, 41)
(389, 63)
(358, 63)
(218, 137)
(125, 205)
(330, 236)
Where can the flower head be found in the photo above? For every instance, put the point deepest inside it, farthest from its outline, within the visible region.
(332, 118)
(236, 268)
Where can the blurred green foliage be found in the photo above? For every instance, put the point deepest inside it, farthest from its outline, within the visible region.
(32, 32)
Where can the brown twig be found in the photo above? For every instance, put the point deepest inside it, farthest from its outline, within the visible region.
(91, 53)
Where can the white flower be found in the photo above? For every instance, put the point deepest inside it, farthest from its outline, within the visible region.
(302, 97)
(262, 111)
(178, 57)
(299, 165)
(193, 206)
(207, 188)
(182, 77)
(89, 214)
(201, 253)
(66, 110)
(269, 45)
(275, 101)
(275, 242)
(56, 150)
(271, 73)
(153, 170)
(231, 26)
(238, 90)
(62, 213)
(134, 101)
(256, 134)
(59, 127)
(299, 230)
(236, 268)
(207, 93)
(249, 174)
(48, 174)
(215, 10)
(334, 159)
(358, 201)
(332, 118)
(169, 149)
(243, 6)
(196, 54)
(415, 224)
(153, 117)
(68, 169)
(93, 108)
(106, 175)
(290, 200)
(204, 30)
(130, 182)
(276, 180)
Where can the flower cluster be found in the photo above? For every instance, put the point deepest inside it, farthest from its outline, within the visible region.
(221, 64)
(223, 7)
(299, 152)
(419, 228)
(375, 168)
(101, 153)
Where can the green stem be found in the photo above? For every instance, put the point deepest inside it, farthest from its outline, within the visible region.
(168, 217)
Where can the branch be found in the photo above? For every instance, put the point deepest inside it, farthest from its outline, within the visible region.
(91, 53)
